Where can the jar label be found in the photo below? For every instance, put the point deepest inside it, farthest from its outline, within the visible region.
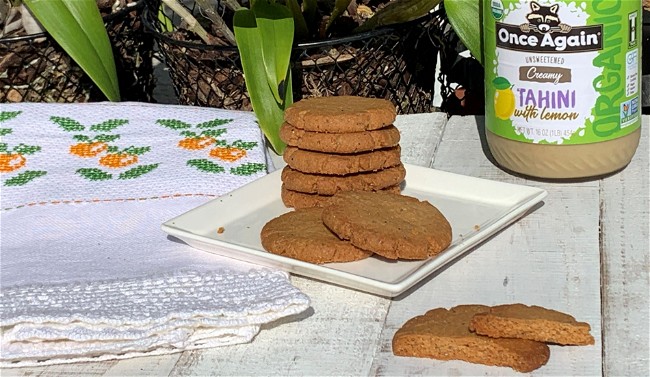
(562, 72)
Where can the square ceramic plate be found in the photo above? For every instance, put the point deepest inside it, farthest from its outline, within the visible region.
(476, 209)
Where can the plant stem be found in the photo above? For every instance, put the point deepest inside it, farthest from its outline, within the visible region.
(192, 24)
(219, 23)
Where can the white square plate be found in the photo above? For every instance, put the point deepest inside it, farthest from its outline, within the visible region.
(476, 209)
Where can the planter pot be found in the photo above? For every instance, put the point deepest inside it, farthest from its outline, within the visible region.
(34, 68)
(396, 63)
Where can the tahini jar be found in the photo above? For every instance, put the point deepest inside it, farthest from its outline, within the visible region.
(562, 85)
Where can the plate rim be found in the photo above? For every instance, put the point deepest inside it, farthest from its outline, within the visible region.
(389, 289)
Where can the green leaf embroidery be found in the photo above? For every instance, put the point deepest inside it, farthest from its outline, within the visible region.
(206, 165)
(214, 133)
(5, 131)
(3, 147)
(112, 149)
(248, 145)
(213, 123)
(24, 177)
(248, 169)
(68, 124)
(26, 149)
(94, 174)
(82, 138)
(188, 134)
(137, 171)
(106, 138)
(220, 143)
(109, 125)
(136, 150)
(174, 124)
(6, 115)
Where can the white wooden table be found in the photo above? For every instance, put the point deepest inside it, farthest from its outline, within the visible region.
(584, 251)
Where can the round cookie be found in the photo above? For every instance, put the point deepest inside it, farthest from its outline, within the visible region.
(300, 234)
(297, 199)
(341, 164)
(340, 114)
(352, 142)
(393, 226)
(331, 184)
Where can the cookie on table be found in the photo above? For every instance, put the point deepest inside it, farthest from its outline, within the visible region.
(393, 226)
(300, 234)
(341, 164)
(532, 322)
(352, 142)
(297, 199)
(331, 184)
(340, 114)
(444, 334)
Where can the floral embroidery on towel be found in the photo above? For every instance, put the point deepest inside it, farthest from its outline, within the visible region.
(206, 135)
(96, 141)
(12, 159)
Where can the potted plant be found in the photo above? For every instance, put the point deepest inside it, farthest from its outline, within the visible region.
(345, 47)
(74, 51)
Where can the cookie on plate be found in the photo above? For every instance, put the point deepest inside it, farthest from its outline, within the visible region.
(444, 334)
(297, 199)
(331, 184)
(351, 142)
(300, 234)
(532, 322)
(341, 164)
(340, 114)
(393, 226)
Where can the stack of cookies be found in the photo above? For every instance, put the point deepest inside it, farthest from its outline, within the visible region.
(339, 144)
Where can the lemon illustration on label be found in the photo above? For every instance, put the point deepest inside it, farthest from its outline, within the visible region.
(504, 98)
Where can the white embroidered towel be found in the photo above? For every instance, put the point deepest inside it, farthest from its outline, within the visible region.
(86, 273)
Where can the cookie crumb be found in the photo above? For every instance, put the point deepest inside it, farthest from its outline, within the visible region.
(221, 230)
(477, 227)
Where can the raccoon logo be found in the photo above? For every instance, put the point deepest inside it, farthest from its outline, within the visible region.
(544, 19)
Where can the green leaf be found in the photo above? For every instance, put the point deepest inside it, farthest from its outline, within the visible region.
(501, 83)
(137, 171)
(136, 150)
(248, 169)
(174, 124)
(214, 133)
(165, 21)
(106, 138)
(270, 113)
(109, 125)
(24, 177)
(79, 28)
(300, 25)
(188, 134)
(397, 12)
(275, 27)
(244, 144)
(112, 149)
(206, 166)
(3, 147)
(5, 131)
(6, 115)
(214, 123)
(94, 174)
(340, 6)
(26, 149)
(82, 138)
(68, 124)
(465, 16)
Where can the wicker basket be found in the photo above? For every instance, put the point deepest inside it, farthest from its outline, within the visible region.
(396, 63)
(34, 68)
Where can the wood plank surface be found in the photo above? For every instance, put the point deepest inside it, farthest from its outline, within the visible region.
(625, 257)
(549, 258)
